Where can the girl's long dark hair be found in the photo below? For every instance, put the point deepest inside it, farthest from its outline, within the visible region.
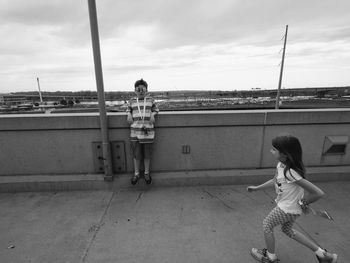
(291, 148)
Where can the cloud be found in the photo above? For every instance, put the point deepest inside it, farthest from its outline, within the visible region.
(34, 22)
(41, 12)
(161, 24)
(201, 22)
(169, 39)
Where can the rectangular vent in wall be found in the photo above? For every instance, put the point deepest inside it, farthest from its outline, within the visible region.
(335, 144)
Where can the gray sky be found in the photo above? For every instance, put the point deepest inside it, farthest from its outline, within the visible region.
(174, 44)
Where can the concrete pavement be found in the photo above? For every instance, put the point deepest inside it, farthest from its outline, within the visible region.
(160, 224)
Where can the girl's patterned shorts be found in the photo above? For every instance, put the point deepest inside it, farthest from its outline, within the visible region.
(278, 217)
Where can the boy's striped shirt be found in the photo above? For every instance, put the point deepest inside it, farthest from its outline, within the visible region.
(142, 129)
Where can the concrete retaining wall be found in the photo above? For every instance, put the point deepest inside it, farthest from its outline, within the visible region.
(63, 143)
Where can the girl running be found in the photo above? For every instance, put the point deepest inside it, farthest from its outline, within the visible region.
(290, 183)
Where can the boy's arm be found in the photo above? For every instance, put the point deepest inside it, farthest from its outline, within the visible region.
(129, 118)
(265, 185)
(154, 108)
(154, 111)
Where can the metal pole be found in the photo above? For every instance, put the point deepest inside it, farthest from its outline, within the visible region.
(281, 71)
(107, 160)
(41, 98)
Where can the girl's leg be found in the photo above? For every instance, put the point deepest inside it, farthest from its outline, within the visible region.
(304, 240)
(270, 222)
(270, 242)
(297, 236)
(308, 242)
(275, 217)
(268, 254)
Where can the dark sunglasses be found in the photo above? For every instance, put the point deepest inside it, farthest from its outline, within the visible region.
(140, 89)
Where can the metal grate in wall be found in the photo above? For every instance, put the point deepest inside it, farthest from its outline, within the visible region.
(335, 145)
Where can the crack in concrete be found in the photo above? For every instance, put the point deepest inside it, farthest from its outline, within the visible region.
(99, 225)
(222, 201)
(139, 197)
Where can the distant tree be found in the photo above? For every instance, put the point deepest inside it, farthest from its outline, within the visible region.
(70, 103)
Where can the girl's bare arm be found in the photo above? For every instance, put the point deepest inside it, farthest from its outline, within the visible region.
(313, 192)
(265, 185)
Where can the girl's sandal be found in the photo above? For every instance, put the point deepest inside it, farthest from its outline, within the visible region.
(134, 179)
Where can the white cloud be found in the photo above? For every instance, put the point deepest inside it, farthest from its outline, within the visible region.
(198, 44)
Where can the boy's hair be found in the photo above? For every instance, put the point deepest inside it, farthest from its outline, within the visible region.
(141, 82)
(291, 148)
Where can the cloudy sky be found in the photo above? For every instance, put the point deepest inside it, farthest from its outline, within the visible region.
(174, 44)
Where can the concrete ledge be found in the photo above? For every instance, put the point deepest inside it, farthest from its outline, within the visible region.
(76, 182)
(63, 143)
(117, 120)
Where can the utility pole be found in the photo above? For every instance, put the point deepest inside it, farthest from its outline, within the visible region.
(281, 71)
(41, 98)
(106, 151)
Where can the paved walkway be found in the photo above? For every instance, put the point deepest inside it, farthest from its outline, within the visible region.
(160, 224)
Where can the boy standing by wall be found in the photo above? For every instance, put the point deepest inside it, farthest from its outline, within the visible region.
(141, 112)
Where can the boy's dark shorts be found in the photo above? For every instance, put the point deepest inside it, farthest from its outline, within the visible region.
(140, 150)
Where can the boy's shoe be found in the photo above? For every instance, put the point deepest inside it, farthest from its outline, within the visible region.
(261, 255)
(134, 179)
(327, 257)
(148, 178)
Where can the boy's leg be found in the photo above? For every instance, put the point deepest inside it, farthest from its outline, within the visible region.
(147, 157)
(137, 163)
(147, 165)
(136, 151)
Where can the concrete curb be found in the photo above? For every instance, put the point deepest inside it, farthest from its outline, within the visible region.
(79, 182)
